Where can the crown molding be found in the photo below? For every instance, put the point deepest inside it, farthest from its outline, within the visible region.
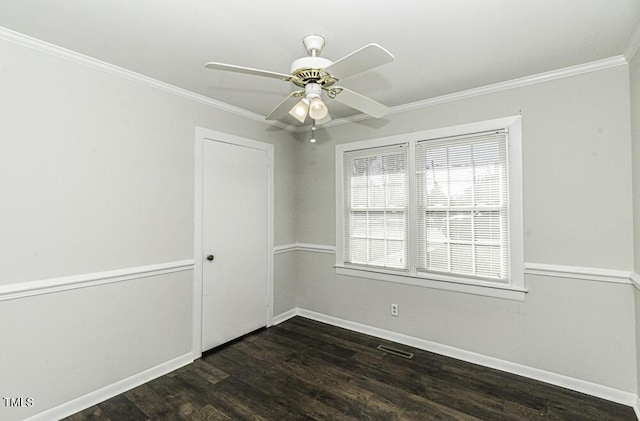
(633, 45)
(95, 64)
(515, 83)
(60, 52)
(496, 87)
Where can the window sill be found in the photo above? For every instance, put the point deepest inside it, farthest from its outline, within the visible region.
(427, 281)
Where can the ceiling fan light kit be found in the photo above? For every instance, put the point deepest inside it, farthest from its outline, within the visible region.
(299, 111)
(315, 74)
(317, 109)
(311, 103)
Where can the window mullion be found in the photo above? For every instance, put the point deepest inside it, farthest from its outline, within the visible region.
(411, 210)
(473, 219)
(449, 265)
(368, 226)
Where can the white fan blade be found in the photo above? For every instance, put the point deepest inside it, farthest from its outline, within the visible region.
(361, 102)
(247, 70)
(368, 57)
(282, 110)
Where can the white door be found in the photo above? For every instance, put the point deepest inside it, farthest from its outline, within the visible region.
(235, 238)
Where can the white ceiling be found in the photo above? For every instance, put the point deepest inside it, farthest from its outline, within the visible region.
(441, 47)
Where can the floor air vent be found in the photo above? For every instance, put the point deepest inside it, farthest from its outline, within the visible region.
(398, 352)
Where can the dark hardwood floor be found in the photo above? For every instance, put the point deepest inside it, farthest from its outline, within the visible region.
(306, 370)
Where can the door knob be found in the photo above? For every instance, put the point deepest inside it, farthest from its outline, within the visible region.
(210, 257)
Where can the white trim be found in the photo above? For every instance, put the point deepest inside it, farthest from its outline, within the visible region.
(543, 269)
(515, 83)
(283, 317)
(632, 46)
(636, 408)
(593, 389)
(578, 272)
(496, 87)
(202, 135)
(285, 248)
(48, 286)
(76, 405)
(198, 185)
(316, 248)
(515, 290)
(60, 52)
(95, 64)
(446, 283)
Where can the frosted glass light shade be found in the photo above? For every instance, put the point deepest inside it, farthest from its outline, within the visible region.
(299, 111)
(317, 109)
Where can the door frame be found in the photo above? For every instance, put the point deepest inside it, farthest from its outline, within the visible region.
(205, 135)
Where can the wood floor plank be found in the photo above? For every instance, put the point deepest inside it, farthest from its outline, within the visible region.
(90, 414)
(491, 395)
(150, 403)
(331, 395)
(209, 413)
(122, 409)
(319, 399)
(175, 395)
(307, 370)
(376, 378)
(362, 347)
(316, 362)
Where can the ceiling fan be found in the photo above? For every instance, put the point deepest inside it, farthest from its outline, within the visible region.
(315, 74)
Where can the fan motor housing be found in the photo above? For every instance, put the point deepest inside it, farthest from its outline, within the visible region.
(311, 70)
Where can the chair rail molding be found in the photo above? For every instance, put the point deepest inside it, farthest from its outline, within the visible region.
(51, 285)
(635, 280)
(579, 272)
(316, 248)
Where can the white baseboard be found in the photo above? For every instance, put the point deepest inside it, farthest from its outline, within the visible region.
(107, 392)
(636, 408)
(283, 317)
(593, 389)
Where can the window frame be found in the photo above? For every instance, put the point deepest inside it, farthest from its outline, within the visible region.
(515, 288)
(349, 209)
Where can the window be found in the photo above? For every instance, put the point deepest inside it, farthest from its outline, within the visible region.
(463, 219)
(376, 207)
(439, 208)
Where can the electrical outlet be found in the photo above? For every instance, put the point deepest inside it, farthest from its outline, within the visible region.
(394, 310)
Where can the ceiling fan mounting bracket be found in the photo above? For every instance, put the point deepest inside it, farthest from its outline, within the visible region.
(313, 44)
(310, 69)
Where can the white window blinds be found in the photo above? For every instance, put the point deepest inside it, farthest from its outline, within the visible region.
(375, 189)
(462, 206)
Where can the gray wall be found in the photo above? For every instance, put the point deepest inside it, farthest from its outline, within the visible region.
(97, 175)
(577, 200)
(634, 77)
